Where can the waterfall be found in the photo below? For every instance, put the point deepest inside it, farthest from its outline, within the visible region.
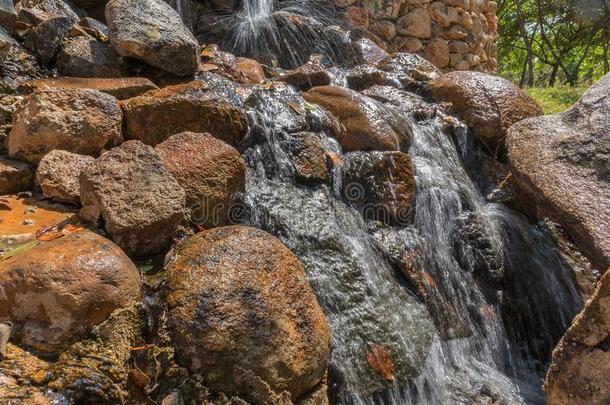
(462, 341)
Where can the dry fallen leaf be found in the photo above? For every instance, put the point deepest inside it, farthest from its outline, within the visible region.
(381, 362)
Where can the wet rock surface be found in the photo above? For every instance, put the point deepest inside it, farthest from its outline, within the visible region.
(137, 198)
(581, 362)
(57, 175)
(243, 315)
(488, 104)
(152, 31)
(81, 121)
(54, 293)
(210, 171)
(380, 184)
(560, 164)
(358, 115)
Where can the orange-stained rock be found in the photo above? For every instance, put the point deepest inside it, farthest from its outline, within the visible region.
(55, 292)
(121, 88)
(489, 104)
(242, 314)
(381, 185)
(78, 120)
(309, 158)
(156, 115)
(209, 171)
(239, 69)
(359, 115)
(140, 202)
(247, 71)
(581, 361)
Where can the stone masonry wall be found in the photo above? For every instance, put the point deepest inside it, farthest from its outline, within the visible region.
(452, 34)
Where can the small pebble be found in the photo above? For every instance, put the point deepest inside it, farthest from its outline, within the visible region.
(30, 210)
(28, 222)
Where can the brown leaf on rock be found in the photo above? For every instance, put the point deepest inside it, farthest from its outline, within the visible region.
(381, 362)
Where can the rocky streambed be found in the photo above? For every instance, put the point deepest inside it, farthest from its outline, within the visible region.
(330, 224)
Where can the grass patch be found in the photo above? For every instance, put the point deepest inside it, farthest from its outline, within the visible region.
(556, 99)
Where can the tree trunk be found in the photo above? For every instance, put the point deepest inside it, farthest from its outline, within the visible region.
(553, 77)
(530, 64)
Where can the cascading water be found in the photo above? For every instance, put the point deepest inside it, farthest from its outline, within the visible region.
(498, 294)
(281, 33)
(494, 294)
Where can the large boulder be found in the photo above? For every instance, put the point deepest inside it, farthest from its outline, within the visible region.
(581, 362)
(121, 88)
(156, 115)
(55, 292)
(150, 30)
(83, 56)
(379, 184)
(80, 120)
(560, 165)
(140, 202)
(364, 131)
(209, 171)
(57, 175)
(489, 104)
(243, 315)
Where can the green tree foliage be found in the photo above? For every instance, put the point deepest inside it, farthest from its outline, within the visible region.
(543, 42)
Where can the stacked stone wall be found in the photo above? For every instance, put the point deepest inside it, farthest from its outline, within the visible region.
(453, 34)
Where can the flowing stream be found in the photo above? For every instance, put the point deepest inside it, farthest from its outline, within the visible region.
(495, 293)
(498, 296)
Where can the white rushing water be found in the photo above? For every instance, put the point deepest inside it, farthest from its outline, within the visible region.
(500, 293)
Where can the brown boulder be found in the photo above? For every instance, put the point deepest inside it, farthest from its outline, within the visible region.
(57, 175)
(55, 292)
(379, 184)
(156, 115)
(489, 104)
(15, 176)
(139, 200)
(121, 88)
(81, 121)
(209, 171)
(359, 115)
(243, 315)
(560, 165)
(581, 362)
